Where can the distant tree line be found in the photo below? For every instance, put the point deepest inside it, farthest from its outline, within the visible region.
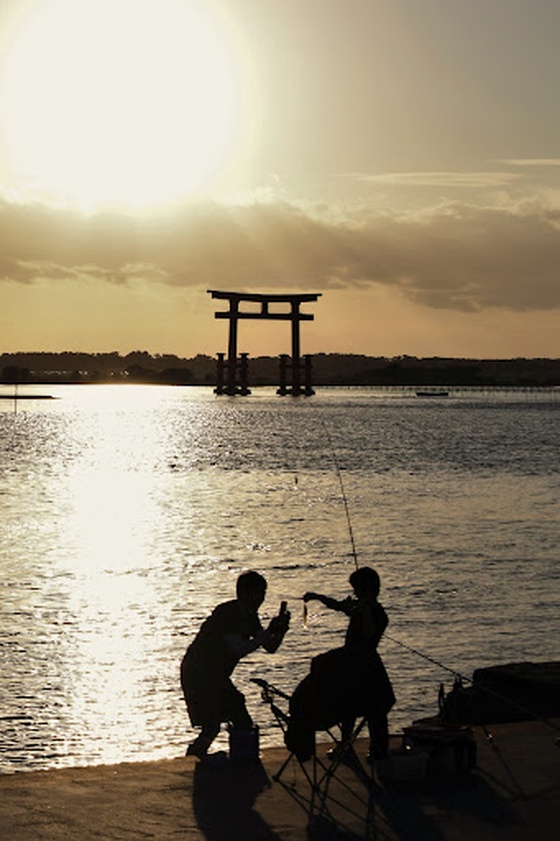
(328, 369)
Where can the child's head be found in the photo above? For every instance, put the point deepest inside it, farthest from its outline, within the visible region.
(365, 582)
(251, 588)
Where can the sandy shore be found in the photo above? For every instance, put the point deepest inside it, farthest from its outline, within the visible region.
(513, 793)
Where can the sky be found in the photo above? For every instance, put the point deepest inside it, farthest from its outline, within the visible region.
(399, 157)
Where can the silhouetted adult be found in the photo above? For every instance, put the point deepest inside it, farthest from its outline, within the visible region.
(355, 675)
(231, 631)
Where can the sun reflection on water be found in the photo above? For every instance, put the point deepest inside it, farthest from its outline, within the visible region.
(109, 550)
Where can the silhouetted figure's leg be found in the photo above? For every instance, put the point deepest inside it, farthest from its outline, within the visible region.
(203, 741)
(378, 736)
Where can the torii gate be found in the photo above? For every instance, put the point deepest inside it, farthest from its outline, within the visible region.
(231, 385)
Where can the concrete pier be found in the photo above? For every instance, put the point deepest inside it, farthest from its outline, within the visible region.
(514, 793)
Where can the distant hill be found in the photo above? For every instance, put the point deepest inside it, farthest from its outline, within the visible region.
(328, 369)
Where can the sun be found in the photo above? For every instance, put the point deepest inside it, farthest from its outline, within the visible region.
(127, 102)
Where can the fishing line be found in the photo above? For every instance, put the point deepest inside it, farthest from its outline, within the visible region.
(426, 657)
(343, 493)
(486, 689)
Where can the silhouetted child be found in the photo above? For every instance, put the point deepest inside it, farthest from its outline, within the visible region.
(367, 687)
(231, 631)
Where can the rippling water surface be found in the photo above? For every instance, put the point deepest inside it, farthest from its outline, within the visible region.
(126, 514)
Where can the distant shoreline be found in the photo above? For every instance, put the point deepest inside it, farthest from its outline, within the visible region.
(331, 369)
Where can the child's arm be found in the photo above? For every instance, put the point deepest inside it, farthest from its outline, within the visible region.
(343, 605)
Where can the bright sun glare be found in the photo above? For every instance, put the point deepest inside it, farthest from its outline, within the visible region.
(130, 102)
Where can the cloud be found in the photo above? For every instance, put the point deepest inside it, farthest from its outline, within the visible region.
(456, 256)
(531, 161)
(30, 271)
(473, 180)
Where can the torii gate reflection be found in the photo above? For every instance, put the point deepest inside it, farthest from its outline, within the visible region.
(231, 383)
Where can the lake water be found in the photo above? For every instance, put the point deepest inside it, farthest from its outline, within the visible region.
(127, 512)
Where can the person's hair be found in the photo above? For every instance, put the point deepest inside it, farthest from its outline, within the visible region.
(250, 582)
(366, 580)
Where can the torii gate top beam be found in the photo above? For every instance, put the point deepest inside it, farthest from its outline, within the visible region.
(257, 296)
(235, 298)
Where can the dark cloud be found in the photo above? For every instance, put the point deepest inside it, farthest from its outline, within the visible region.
(456, 256)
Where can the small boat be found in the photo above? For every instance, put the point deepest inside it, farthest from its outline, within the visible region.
(433, 392)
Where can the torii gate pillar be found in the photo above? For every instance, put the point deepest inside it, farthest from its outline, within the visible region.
(230, 384)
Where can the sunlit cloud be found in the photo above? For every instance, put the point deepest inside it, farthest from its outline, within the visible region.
(28, 271)
(531, 162)
(476, 180)
(456, 255)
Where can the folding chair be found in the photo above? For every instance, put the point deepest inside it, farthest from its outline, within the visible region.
(320, 799)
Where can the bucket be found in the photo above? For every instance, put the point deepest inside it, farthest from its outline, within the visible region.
(244, 745)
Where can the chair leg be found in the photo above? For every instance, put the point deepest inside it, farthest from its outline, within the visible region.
(278, 774)
(319, 777)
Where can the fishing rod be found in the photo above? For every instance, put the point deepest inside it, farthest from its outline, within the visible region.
(343, 492)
